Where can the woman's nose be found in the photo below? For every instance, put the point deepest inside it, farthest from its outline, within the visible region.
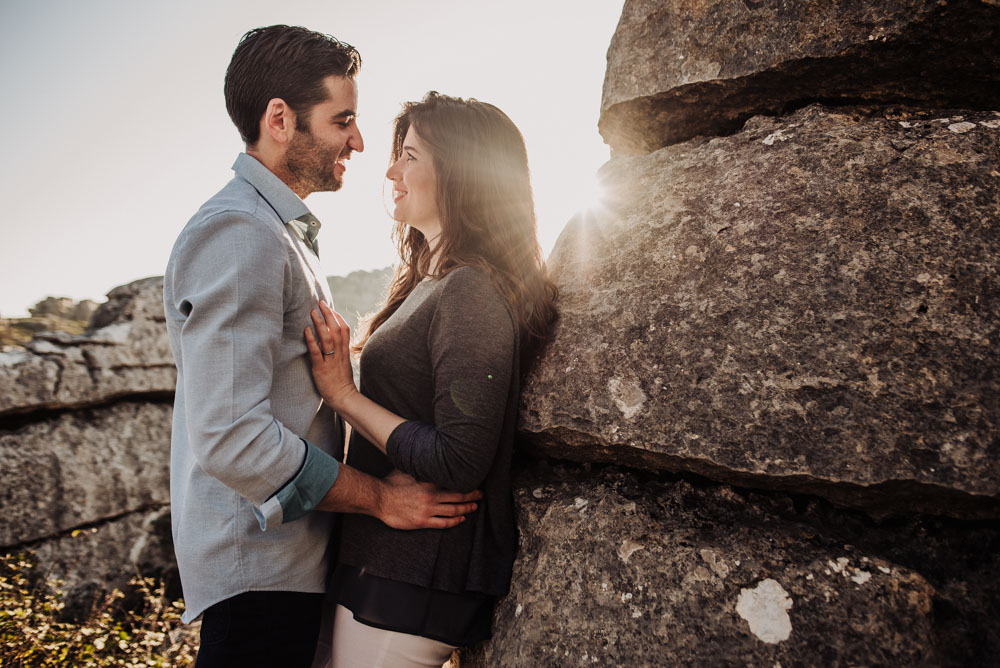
(392, 172)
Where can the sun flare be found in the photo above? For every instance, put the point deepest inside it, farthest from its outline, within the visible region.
(591, 195)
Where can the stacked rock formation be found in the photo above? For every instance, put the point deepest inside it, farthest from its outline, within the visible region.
(85, 444)
(784, 325)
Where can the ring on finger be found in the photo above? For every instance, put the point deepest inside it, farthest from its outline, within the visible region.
(329, 353)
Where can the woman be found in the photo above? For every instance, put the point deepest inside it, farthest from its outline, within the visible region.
(440, 368)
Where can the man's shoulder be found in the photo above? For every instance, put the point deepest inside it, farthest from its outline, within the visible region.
(235, 217)
(237, 200)
(238, 209)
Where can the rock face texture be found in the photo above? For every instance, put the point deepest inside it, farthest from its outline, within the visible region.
(93, 463)
(785, 319)
(85, 445)
(50, 314)
(808, 304)
(618, 568)
(96, 558)
(703, 67)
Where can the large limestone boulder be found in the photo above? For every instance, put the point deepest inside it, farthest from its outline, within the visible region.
(125, 352)
(614, 569)
(83, 467)
(680, 68)
(809, 304)
(85, 445)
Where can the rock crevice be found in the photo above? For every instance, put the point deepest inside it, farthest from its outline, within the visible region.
(632, 568)
(679, 70)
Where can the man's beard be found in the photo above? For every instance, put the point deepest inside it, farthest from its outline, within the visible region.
(311, 164)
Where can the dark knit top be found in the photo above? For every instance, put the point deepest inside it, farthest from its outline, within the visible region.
(447, 362)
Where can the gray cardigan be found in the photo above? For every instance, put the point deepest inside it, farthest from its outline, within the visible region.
(447, 361)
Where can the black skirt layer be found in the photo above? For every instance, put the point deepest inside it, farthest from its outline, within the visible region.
(456, 619)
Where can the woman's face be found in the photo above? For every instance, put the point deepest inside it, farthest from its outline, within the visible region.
(414, 187)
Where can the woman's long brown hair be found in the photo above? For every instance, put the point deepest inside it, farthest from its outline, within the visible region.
(487, 212)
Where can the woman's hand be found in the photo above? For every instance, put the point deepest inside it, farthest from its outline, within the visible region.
(329, 350)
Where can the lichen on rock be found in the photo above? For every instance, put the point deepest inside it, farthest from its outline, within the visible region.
(765, 608)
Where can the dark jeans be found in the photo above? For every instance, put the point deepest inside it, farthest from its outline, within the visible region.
(261, 629)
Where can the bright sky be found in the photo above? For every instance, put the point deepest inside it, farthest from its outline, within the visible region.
(117, 129)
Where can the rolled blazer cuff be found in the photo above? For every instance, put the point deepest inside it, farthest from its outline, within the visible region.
(303, 492)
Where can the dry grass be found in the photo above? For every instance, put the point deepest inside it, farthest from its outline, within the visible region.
(137, 627)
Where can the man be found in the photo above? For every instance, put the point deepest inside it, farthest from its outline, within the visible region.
(253, 448)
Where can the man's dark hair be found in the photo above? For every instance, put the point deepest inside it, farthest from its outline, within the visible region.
(287, 62)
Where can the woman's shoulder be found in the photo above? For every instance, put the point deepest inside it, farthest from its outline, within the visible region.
(467, 272)
(472, 290)
(469, 279)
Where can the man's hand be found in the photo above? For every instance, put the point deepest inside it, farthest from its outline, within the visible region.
(398, 500)
(405, 503)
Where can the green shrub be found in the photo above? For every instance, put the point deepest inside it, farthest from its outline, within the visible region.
(138, 627)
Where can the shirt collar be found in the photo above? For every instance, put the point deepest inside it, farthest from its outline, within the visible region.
(307, 228)
(282, 199)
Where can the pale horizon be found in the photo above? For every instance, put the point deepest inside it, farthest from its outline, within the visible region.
(122, 131)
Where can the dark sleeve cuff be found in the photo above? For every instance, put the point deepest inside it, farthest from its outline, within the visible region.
(404, 442)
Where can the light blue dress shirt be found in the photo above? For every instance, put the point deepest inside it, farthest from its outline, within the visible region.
(253, 446)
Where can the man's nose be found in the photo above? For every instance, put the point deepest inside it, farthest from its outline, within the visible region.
(356, 142)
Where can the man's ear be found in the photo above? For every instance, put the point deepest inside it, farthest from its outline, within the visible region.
(278, 121)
